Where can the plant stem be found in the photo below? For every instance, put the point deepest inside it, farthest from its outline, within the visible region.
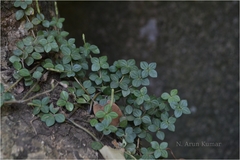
(84, 129)
(81, 85)
(30, 90)
(37, 6)
(26, 100)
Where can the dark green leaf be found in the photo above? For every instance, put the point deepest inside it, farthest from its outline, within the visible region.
(28, 41)
(24, 72)
(45, 109)
(36, 110)
(99, 127)
(96, 145)
(37, 75)
(160, 135)
(69, 106)
(28, 25)
(52, 109)
(61, 102)
(165, 96)
(19, 14)
(100, 114)
(173, 92)
(66, 59)
(36, 55)
(81, 101)
(137, 112)
(76, 67)
(65, 50)
(157, 153)
(50, 121)
(59, 67)
(14, 59)
(129, 109)
(93, 122)
(48, 65)
(29, 61)
(155, 145)
(46, 23)
(177, 112)
(64, 95)
(146, 119)
(36, 21)
(17, 65)
(59, 117)
(137, 121)
(47, 47)
(163, 145)
(94, 49)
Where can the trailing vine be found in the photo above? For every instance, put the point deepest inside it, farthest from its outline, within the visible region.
(91, 80)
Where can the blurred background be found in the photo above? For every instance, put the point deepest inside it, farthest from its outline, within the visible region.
(196, 47)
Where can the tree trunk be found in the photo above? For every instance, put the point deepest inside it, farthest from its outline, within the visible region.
(24, 136)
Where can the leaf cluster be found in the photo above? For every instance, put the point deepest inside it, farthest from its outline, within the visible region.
(87, 78)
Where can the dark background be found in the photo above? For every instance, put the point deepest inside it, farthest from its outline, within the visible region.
(196, 47)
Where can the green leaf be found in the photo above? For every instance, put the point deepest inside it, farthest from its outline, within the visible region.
(177, 112)
(36, 21)
(94, 49)
(157, 153)
(61, 102)
(87, 83)
(24, 72)
(17, 65)
(46, 23)
(163, 145)
(146, 119)
(36, 55)
(96, 145)
(144, 65)
(59, 67)
(29, 61)
(28, 25)
(81, 101)
(48, 65)
(164, 153)
(137, 121)
(36, 110)
(165, 96)
(173, 92)
(19, 14)
(100, 114)
(129, 109)
(153, 73)
(69, 106)
(65, 50)
(186, 110)
(66, 59)
(64, 33)
(123, 122)
(76, 67)
(137, 113)
(93, 122)
(45, 109)
(99, 126)
(17, 52)
(107, 108)
(59, 117)
(37, 75)
(28, 40)
(164, 125)
(160, 135)
(155, 145)
(14, 59)
(64, 95)
(52, 109)
(47, 47)
(152, 128)
(50, 121)
(113, 115)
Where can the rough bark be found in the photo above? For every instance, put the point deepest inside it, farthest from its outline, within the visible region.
(23, 137)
